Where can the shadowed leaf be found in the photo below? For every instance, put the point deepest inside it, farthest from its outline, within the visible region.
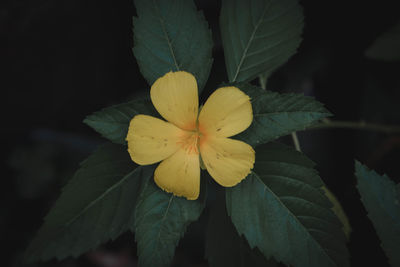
(95, 206)
(281, 209)
(387, 46)
(161, 221)
(381, 198)
(224, 246)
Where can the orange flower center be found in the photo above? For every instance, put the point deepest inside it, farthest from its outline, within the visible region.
(192, 140)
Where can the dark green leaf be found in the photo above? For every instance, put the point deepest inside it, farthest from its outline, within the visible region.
(338, 210)
(387, 46)
(276, 115)
(161, 221)
(381, 198)
(224, 246)
(95, 206)
(171, 36)
(281, 209)
(258, 36)
(113, 122)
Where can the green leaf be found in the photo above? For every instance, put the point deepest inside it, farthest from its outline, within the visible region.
(161, 221)
(276, 115)
(258, 36)
(381, 197)
(171, 36)
(281, 209)
(113, 122)
(338, 210)
(224, 246)
(387, 46)
(95, 206)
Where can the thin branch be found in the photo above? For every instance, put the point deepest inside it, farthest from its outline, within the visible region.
(296, 142)
(263, 80)
(360, 125)
(263, 83)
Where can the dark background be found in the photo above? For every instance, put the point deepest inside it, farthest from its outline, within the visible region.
(62, 60)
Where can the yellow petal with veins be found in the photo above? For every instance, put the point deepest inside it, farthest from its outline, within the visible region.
(227, 112)
(228, 161)
(151, 140)
(180, 174)
(175, 97)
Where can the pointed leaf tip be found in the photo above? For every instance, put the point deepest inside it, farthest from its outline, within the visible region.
(95, 206)
(172, 36)
(381, 198)
(259, 36)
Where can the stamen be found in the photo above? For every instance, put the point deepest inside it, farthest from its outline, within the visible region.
(190, 142)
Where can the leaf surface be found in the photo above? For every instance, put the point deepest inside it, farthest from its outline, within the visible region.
(161, 221)
(281, 209)
(381, 198)
(258, 36)
(276, 115)
(171, 36)
(224, 246)
(95, 206)
(113, 122)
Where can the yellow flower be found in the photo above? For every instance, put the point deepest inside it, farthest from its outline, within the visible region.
(187, 135)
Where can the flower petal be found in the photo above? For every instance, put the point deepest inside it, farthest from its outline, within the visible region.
(180, 174)
(228, 161)
(175, 97)
(151, 140)
(227, 112)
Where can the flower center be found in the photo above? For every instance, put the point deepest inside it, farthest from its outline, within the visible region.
(191, 141)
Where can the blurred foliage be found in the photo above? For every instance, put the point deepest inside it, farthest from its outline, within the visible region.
(386, 46)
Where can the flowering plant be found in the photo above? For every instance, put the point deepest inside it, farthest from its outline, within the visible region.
(170, 159)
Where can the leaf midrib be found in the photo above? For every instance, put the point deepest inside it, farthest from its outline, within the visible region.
(166, 36)
(249, 42)
(99, 198)
(292, 215)
(161, 223)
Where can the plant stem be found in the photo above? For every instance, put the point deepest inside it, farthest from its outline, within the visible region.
(263, 83)
(360, 125)
(296, 141)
